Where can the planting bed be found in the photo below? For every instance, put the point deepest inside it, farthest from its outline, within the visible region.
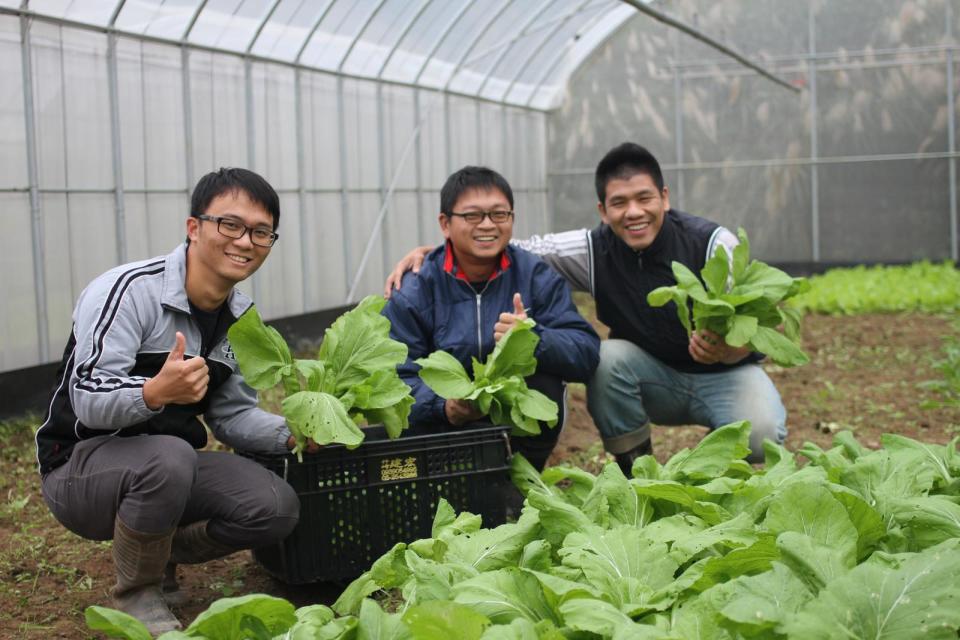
(863, 376)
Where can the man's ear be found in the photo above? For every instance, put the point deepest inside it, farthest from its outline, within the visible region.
(193, 228)
(603, 212)
(666, 198)
(444, 221)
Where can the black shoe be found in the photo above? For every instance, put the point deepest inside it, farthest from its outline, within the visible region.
(513, 502)
(625, 460)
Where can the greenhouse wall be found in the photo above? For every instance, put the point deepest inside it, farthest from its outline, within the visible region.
(858, 166)
(104, 136)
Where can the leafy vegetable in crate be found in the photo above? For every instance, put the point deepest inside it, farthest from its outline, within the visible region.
(498, 387)
(741, 303)
(353, 380)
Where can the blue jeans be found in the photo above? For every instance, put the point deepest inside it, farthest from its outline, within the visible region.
(631, 388)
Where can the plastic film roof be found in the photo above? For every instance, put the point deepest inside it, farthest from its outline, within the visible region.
(517, 52)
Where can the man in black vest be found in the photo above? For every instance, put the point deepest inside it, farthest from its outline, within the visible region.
(650, 369)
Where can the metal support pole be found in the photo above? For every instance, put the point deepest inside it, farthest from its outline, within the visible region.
(678, 195)
(411, 141)
(549, 216)
(382, 175)
(187, 118)
(503, 145)
(36, 218)
(189, 166)
(118, 198)
(477, 130)
(448, 147)
(344, 199)
(503, 49)
(418, 168)
(814, 145)
(251, 146)
(952, 140)
(524, 64)
(646, 9)
(306, 276)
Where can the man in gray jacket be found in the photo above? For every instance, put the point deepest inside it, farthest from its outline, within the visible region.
(147, 356)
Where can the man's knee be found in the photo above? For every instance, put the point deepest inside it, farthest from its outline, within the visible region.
(270, 515)
(170, 467)
(617, 357)
(769, 424)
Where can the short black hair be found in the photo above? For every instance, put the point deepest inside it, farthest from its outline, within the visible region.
(624, 161)
(232, 179)
(482, 178)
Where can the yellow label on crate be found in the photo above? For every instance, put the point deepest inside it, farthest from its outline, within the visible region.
(398, 468)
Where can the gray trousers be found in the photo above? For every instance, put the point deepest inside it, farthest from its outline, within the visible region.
(155, 483)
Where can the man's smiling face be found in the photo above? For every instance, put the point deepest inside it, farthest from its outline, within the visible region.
(634, 209)
(480, 242)
(228, 260)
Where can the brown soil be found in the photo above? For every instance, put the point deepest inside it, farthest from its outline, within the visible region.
(863, 376)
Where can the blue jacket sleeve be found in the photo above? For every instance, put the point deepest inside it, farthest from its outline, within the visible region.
(569, 347)
(411, 323)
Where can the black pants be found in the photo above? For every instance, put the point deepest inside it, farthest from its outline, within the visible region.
(155, 483)
(536, 449)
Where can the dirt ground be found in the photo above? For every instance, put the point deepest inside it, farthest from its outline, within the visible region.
(863, 376)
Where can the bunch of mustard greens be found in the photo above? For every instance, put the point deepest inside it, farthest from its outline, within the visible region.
(353, 380)
(741, 302)
(498, 387)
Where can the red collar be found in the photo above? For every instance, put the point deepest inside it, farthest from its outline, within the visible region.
(450, 265)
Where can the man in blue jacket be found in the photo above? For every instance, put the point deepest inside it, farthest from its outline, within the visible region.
(471, 290)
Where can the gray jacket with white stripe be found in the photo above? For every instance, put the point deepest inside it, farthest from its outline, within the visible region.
(124, 326)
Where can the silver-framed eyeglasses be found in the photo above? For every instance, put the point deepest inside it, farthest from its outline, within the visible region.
(476, 217)
(232, 228)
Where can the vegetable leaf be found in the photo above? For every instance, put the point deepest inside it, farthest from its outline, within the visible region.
(262, 353)
(320, 416)
(358, 344)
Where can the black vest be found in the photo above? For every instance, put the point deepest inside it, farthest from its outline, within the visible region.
(623, 278)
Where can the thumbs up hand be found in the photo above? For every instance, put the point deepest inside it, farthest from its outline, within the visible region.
(179, 381)
(507, 319)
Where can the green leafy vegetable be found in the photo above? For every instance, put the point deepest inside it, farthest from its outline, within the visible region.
(856, 544)
(922, 287)
(353, 381)
(741, 302)
(498, 387)
(115, 624)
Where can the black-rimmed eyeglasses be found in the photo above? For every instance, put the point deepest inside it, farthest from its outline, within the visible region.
(475, 217)
(260, 236)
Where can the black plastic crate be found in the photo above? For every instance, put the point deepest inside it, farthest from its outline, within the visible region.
(355, 505)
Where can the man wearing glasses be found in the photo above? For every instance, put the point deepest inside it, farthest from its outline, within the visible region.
(471, 290)
(147, 356)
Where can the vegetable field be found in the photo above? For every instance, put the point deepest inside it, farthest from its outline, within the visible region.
(864, 389)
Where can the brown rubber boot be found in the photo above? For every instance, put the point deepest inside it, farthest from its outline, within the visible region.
(193, 545)
(625, 460)
(139, 560)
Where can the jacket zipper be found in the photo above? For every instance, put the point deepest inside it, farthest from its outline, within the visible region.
(479, 297)
(479, 334)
